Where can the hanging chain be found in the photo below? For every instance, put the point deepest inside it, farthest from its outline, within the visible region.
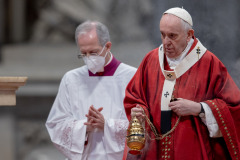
(160, 137)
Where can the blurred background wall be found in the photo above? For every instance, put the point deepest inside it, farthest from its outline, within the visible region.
(37, 41)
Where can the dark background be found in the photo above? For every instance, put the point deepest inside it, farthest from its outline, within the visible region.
(37, 41)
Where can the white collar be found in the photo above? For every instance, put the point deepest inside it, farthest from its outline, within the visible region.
(187, 62)
(173, 62)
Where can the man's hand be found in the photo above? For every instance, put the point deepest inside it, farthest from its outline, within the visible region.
(95, 119)
(138, 112)
(89, 122)
(184, 107)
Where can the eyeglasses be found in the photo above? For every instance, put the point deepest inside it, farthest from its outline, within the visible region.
(84, 55)
(91, 54)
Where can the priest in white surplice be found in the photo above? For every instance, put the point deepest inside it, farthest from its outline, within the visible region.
(87, 119)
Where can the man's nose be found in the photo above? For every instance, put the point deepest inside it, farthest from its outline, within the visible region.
(166, 41)
(88, 54)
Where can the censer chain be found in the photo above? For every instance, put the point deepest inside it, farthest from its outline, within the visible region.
(160, 137)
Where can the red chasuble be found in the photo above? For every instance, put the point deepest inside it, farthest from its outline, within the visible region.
(206, 81)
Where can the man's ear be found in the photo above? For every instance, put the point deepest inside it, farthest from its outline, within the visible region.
(108, 45)
(190, 34)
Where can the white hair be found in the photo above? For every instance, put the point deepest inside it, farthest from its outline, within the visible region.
(101, 30)
(186, 26)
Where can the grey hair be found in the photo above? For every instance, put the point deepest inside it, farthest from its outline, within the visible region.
(101, 29)
(186, 26)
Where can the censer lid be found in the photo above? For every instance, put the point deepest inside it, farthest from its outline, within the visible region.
(135, 122)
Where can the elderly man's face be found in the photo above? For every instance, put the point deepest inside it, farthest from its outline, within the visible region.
(173, 35)
(89, 44)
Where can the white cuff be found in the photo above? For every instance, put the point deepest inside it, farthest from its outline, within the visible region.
(210, 121)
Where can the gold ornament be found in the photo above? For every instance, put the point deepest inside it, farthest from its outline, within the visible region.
(135, 137)
(136, 134)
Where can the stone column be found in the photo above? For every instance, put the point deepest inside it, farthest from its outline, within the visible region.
(7, 139)
(17, 30)
(2, 25)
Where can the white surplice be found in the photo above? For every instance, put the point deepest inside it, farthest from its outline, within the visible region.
(77, 92)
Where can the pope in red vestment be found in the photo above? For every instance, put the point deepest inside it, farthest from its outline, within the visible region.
(199, 77)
